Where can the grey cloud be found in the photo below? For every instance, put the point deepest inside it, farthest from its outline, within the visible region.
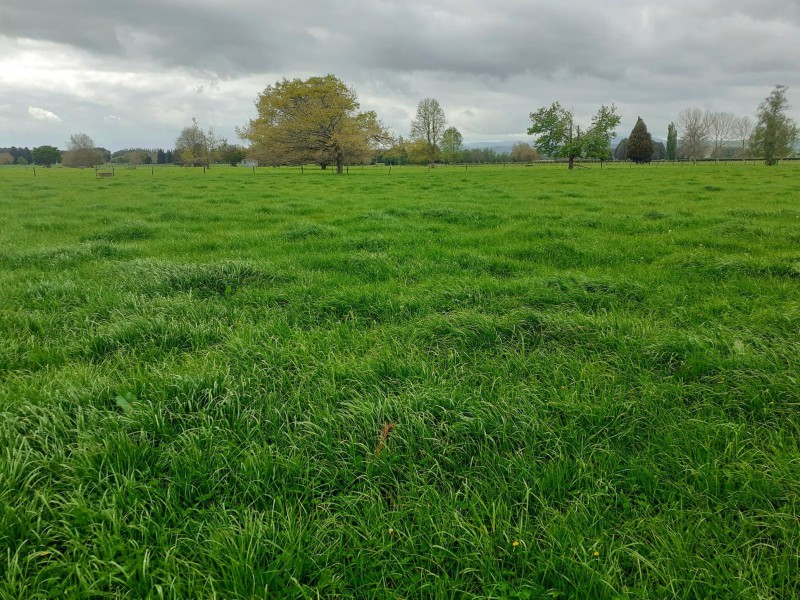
(158, 63)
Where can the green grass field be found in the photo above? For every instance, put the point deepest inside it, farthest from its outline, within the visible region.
(592, 377)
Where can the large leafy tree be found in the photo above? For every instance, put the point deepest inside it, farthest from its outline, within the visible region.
(775, 133)
(452, 144)
(312, 120)
(428, 127)
(558, 135)
(640, 143)
(46, 155)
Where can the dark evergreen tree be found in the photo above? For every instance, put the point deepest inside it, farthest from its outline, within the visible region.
(621, 151)
(659, 151)
(161, 157)
(168, 157)
(672, 142)
(640, 143)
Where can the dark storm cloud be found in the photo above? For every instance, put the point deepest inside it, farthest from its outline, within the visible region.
(489, 64)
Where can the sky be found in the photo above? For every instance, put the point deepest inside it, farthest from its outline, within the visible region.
(133, 74)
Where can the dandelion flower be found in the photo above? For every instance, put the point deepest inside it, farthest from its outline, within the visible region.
(596, 553)
(515, 543)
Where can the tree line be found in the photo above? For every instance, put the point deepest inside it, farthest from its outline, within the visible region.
(318, 120)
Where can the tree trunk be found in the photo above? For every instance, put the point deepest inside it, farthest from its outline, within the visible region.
(340, 164)
(571, 162)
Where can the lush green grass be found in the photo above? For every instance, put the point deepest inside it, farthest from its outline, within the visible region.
(593, 378)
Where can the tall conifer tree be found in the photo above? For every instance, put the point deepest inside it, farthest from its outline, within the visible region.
(672, 142)
(640, 143)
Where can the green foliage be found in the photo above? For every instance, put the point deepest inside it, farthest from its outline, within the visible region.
(231, 154)
(452, 141)
(640, 143)
(591, 376)
(558, 136)
(428, 127)
(775, 132)
(621, 151)
(315, 120)
(46, 155)
(672, 142)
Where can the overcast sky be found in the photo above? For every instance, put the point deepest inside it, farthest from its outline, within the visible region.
(133, 74)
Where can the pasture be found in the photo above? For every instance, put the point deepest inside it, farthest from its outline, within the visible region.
(517, 382)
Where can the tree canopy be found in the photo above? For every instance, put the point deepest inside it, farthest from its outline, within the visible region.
(694, 137)
(312, 120)
(46, 155)
(640, 143)
(672, 142)
(452, 144)
(195, 146)
(558, 135)
(775, 133)
(428, 126)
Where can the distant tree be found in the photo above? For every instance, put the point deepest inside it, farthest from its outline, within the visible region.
(775, 132)
(192, 146)
(169, 157)
(621, 151)
(451, 144)
(6, 158)
(81, 152)
(557, 134)
(161, 157)
(313, 120)
(231, 154)
(720, 125)
(21, 160)
(743, 130)
(24, 153)
(428, 127)
(694, 140)
(640, 143)
(47, 156)
(672, 142)
(418, 152)
(523, 152)
(659, 151)
(397, 153)
(80, 141)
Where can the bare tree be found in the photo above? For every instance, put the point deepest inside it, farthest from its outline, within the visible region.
(81, 152)
(694, 126)
(428, 126)
(743, 130)
(720, 126)
(80, 141)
